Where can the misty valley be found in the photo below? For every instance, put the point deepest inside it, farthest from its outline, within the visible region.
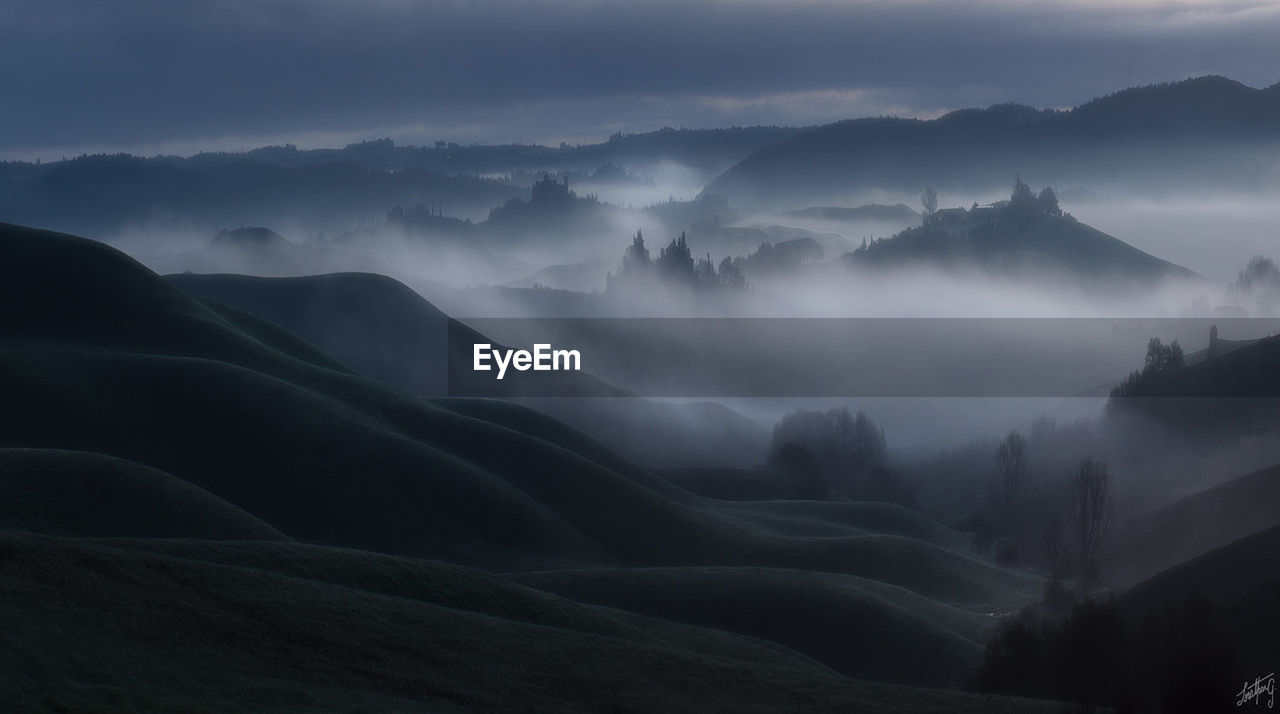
(964, 413)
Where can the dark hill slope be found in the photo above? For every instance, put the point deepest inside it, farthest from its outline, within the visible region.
(1150, 542)
(373, 323)
(781, 518)
(92, 626)
(274, 336)
(1240, 583)
(1201, 132)
(450, 586)
(333, 458)
(313, 465)
(691, 434)
(383, 329)
(74, 493)
(378, 326)
(862, 628)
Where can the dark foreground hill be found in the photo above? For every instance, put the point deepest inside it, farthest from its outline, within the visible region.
(1241, 589)
(1152, 541)
(157, 626)
(1194, 638)
(384, 330)
(272, 438)
(372, 323)
(1201, 133)
(379, 327)
(74, 493)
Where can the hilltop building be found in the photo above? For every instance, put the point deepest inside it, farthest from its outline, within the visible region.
(550, 192)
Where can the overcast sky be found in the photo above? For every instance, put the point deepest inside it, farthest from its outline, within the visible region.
(162, 75)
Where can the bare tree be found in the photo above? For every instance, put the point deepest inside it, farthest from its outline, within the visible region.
(1089, 513)
(1015, 474)
(929, 201)
(1051, 541)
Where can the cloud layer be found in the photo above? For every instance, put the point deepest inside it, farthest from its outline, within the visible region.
(156, 74)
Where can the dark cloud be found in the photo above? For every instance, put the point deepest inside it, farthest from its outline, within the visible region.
(161, 73)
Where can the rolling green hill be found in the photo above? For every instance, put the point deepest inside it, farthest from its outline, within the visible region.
(1239, 581)
(481, 482)
(211, 407)
(373, 323)
(102, 626)
(1152, 541)
(384, 330)
(862, 628)
(378, 326)
(73, 493)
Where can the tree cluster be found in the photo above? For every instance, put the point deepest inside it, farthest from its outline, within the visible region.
(422, 217)
(835, 454)
(1068, 524)
(1024, 202)
(1258, 285)
(1160, 358)
(781, 257)
(1172, 657)
(675, 267)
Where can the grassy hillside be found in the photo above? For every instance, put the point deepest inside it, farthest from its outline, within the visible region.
(74, 493)
(211, 407)
(373, 323)
(692, 434)
(862, 628)
(376, 325)
(375, 468)
(1150, 542)
(384, 330)
(1238, 581)
(104, 628)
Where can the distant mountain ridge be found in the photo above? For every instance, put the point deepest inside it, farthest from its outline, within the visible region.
(1202, 132)
(323, 189)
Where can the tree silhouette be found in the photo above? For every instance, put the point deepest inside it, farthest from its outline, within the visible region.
(1015, 473)
(730, 276)
(675, 262)
(674, 267)
(1089, 513)
(1162, 357)
(850, 450)
(636, 258)
(929, 201)
(1049, 202)
(1022, 195)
